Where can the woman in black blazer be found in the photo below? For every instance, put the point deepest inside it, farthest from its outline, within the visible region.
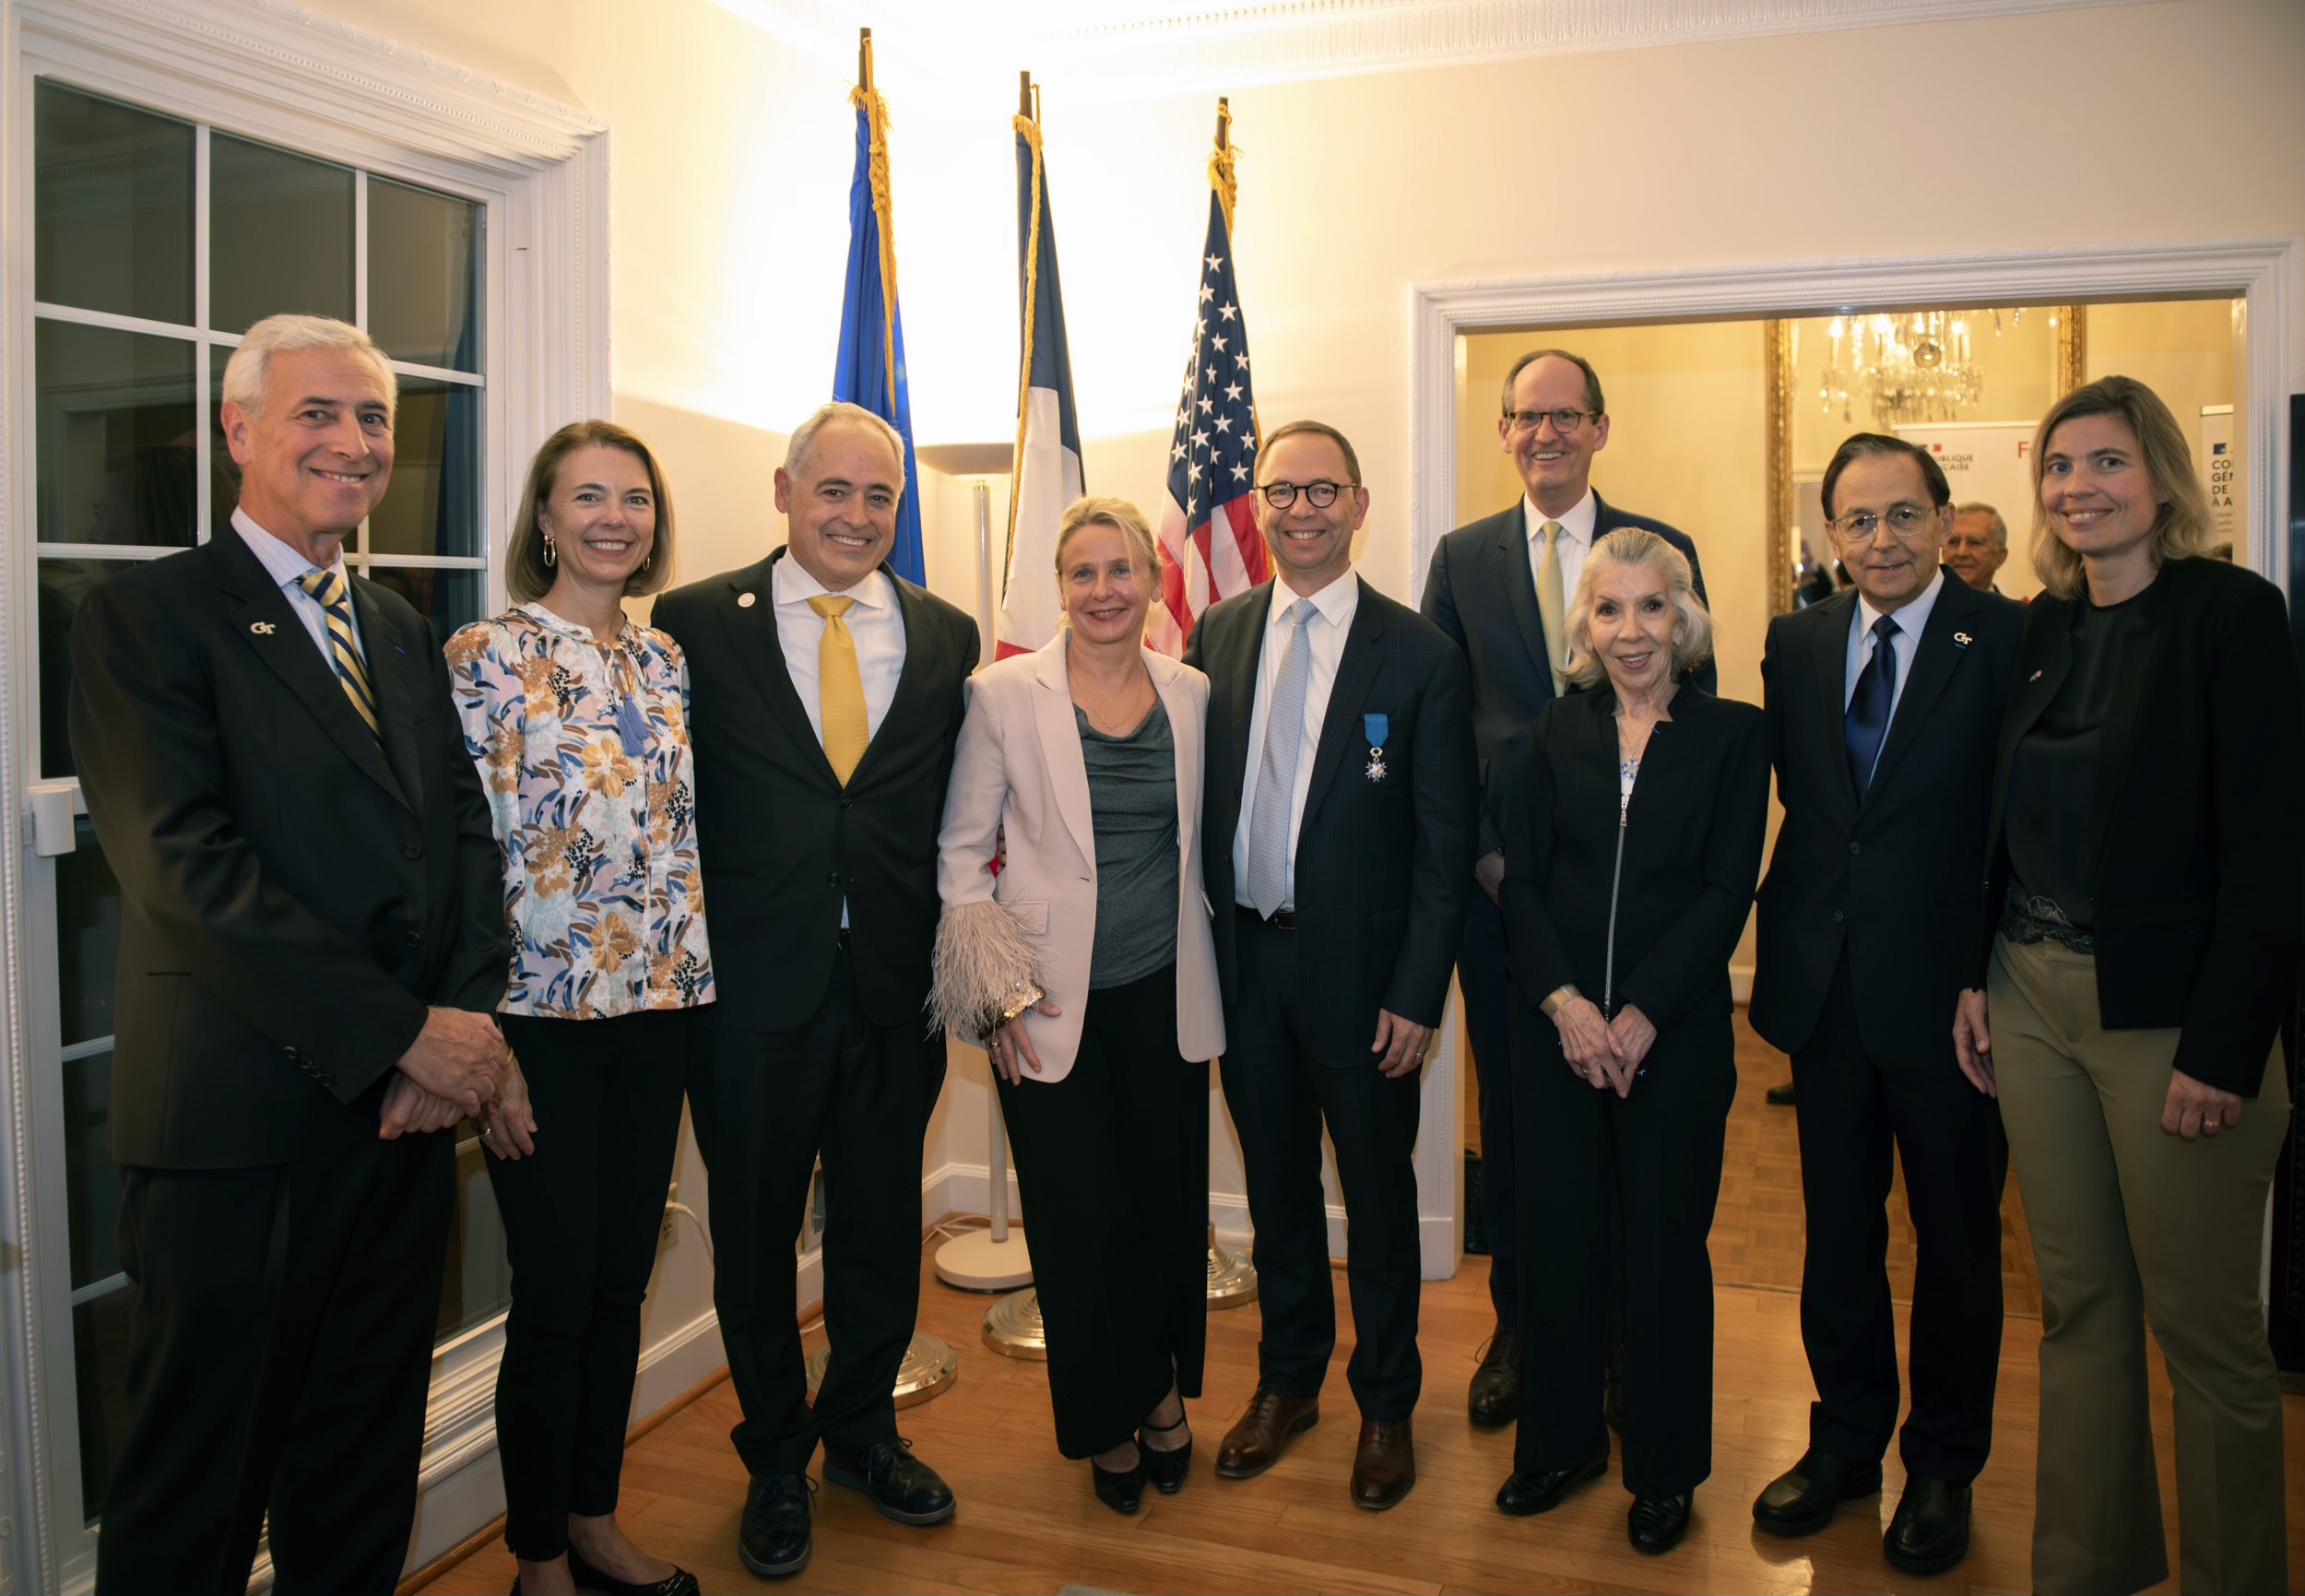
(1630, 860)
(2143, 900)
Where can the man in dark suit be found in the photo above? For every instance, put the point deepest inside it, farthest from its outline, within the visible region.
(1500, 586)
(311, 945)
(1339, 789)
(826, 697)
(1883, 704)
(1977, 545)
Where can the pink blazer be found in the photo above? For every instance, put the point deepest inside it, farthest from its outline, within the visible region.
(1019, 765)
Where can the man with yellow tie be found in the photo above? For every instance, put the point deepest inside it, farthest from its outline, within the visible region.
(1500, 586)
(825, 701)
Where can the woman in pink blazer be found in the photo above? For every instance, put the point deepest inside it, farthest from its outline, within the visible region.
(1075, 948)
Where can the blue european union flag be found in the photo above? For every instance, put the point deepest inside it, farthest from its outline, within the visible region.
(870, 369)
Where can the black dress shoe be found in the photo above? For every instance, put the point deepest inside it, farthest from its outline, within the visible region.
(1804, 1498)
(900, 1485)
(1121, 1491)
(1495, 1398)
(1166, 1470)
(1785, 1096)
(680, 1582)
(1656, 1524)
(773, 1538)
(1929, 1531)
(1541, 1491)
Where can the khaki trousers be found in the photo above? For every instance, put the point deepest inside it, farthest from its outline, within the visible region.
(2132, 1224)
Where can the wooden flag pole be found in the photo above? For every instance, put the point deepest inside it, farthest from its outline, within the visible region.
(864, 59)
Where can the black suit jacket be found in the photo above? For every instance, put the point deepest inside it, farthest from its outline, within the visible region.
(1382, 866)
(1692, 850)
(292, 894)
(2195, 838)
(780, 842)
(1480, 591)
(1889, 876)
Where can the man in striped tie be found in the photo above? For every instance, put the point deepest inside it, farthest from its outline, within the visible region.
(311, 948)
(826, 698)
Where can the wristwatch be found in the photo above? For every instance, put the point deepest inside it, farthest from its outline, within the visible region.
(1558, 996)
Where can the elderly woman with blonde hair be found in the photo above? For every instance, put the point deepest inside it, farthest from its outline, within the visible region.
(1086, 969)
(1631, 853)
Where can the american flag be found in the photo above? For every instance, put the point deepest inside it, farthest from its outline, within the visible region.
(1210, 548)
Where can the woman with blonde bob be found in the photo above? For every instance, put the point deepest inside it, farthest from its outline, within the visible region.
(1086, 969)
(578, 720)
(1633, 844)
(2143, 911)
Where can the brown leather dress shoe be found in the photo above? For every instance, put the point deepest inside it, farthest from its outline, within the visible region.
(1254, 1444)
(1385, 1465)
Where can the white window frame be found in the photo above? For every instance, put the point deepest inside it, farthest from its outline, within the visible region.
(275, 72)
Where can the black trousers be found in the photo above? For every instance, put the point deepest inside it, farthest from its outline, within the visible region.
(765, 1105)
(279, 1353)
(1946, 1134)
(1488, 994)
(1660, 1150)
(581, 1221)
(1113, 1166)
(1280, 1096)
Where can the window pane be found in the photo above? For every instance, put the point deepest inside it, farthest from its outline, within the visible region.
(99, 1356)
(91, 1179)
(449, 597)
(434, 504)
(115, 439)
(88, 936)
(423, 275)
(477, 1284)
(279, 234)
(63, 583)
(223, 470)
(112, 206)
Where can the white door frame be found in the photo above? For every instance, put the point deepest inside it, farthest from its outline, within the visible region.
(2268, 273)
(315, 84)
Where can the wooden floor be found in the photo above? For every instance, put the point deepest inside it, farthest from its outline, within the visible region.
(1027, 1521)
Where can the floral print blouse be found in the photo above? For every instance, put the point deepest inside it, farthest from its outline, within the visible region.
(583, 750)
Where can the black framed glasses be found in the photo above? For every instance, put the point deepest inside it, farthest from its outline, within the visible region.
(1320, 494)
(1565, 421)
(1907, 524)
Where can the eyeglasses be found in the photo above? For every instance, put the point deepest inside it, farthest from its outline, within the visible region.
(1906, 523)
(1564, 421)
(1319, 495)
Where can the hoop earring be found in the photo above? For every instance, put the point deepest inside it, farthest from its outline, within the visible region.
(646, 558)
(551, 555)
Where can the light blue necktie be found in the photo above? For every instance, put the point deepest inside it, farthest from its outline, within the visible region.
(1276, 770)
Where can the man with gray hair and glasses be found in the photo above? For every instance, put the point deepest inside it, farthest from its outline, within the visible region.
(1499, 586)
(1977, 545)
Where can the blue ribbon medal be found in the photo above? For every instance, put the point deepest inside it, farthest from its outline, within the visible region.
(1376, 725)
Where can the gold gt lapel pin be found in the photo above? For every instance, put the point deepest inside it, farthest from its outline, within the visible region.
(262, 628)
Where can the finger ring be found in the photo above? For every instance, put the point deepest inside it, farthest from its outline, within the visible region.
(484, 1131)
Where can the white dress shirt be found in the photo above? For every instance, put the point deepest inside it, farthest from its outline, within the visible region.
(875, 625)
(1909, 621)
(1334, 606)
(1576, 528)
(286, 566)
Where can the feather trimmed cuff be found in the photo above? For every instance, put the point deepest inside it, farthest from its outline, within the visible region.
(985, 973)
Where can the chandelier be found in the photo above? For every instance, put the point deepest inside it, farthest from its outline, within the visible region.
(1911, 367)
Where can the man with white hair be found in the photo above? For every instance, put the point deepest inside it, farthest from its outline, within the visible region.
(311, 950)
(827, 697)
(1977, 545)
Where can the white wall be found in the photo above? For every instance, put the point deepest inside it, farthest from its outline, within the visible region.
(731, 166)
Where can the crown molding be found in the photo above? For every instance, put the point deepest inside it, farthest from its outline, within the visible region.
(272, 51)
(1144, 48)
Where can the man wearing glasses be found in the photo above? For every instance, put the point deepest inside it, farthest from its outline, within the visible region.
(1340, 768)
(1884, 710)
(1500, 586)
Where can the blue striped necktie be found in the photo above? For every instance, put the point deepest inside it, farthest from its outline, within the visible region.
(336, 597)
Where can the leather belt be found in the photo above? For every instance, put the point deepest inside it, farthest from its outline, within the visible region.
(1281, 920)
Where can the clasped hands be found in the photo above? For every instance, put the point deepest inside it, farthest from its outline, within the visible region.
(1605, 1053)
(457, 1066)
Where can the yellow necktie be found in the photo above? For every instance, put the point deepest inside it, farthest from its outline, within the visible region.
(335, 598)
(1550, 609)
(840, 688)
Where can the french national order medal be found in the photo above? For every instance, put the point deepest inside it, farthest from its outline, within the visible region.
(1376, 725)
